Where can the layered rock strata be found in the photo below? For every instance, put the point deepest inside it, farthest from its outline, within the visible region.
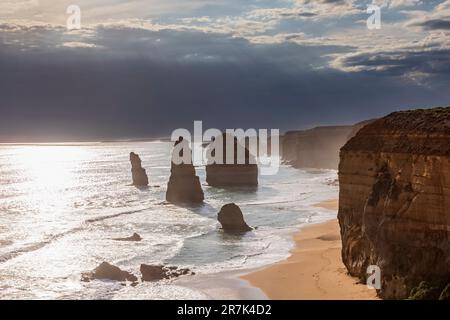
(394, 200)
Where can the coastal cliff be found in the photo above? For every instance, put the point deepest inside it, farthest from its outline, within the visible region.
(394, 200)
(315, 148)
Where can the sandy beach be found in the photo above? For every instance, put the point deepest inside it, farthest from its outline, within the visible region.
(314, 270)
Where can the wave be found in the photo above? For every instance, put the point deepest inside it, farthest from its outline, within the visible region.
(39, 245)
(36, 246)
(115, 215)
(257, 203)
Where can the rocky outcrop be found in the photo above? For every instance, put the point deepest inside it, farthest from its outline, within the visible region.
(184, 186)
(232, 219)
(157, 272)
(394, 201)
(134, 237)
(106, 271)
(318, 147)
(139, 175)
(236, 172)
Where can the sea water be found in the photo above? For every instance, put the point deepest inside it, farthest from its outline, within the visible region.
(61, 206)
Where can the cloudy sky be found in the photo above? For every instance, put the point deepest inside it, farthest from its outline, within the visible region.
(142, 68)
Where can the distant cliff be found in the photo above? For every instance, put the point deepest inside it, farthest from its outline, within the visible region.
(318, 147)
(394, 200)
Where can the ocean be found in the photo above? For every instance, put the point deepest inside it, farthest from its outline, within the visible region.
(62, 204)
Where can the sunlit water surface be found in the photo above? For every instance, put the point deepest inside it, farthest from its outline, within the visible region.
(61, 206)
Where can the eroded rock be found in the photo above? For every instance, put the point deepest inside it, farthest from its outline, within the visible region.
(134, 237)
(184, 186)
(106, 271)
(232, 219)
(394, 200)
(158, 272)
(140, 178)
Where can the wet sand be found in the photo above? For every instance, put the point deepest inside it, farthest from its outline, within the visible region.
(227, 285)
(314, 270)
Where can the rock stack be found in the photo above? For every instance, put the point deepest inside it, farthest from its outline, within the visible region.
(394, 201)
(231, 173)
(106, 271)
(232, 219)
(140, 178)
(184, 186)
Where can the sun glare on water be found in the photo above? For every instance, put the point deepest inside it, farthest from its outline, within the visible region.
(49, 171)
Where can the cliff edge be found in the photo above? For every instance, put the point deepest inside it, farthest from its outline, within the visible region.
(394, 200)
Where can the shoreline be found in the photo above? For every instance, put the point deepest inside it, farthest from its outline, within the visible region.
(225, 285)
(314, 270)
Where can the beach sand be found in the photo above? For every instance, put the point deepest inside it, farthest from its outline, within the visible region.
(227, 285)
(314, 270)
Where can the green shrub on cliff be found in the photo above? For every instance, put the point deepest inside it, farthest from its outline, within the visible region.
(425, 291)
(445, 295)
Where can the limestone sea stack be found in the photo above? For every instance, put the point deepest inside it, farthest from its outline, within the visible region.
(233, 173)
(232, 219)
(184, 186)
(139, 175)
(394, 201)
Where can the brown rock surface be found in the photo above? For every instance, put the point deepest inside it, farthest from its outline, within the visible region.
(394, 201)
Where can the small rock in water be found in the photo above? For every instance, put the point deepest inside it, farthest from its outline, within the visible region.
(232, 219)
(106, 271)
(152, 273)
(159, 272)
(134, 237)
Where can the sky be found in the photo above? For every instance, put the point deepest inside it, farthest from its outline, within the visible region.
(143, 68)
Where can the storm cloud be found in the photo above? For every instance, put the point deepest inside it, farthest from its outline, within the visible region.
(140, 78)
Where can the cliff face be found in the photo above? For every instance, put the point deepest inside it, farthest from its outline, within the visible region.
(394, 200)
(315, 148)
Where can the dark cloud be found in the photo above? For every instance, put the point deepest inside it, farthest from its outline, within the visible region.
(431, 61)
(434, 24)
(139, 83)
